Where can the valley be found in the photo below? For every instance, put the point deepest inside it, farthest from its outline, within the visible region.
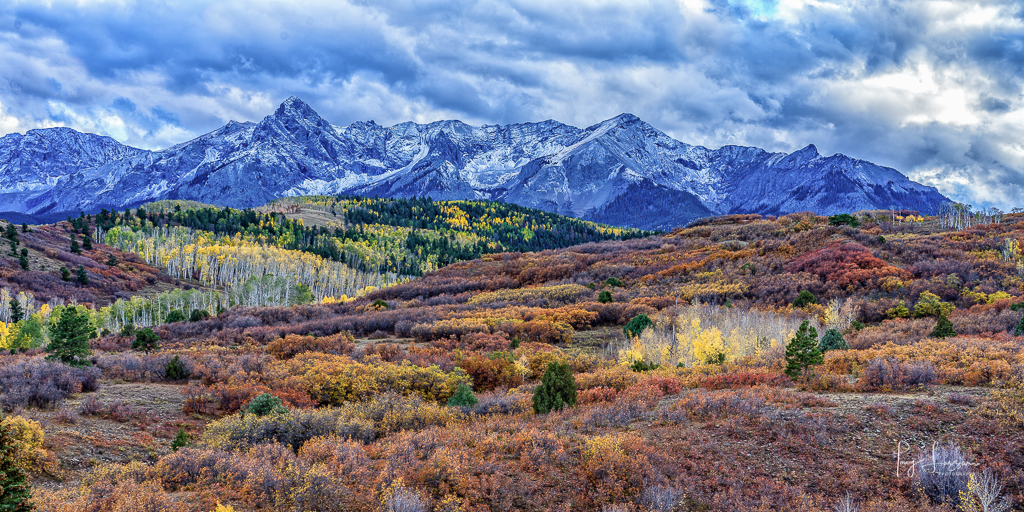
(533, 362)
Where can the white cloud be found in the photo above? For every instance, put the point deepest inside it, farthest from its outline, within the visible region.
(933, 88)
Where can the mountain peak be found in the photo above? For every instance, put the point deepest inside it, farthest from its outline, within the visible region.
(809, 151)
(295, 108)
(547, 165)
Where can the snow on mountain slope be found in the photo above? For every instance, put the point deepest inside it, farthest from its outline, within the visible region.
(622, 170)
(32, 163)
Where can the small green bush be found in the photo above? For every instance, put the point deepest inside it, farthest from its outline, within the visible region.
(636, 325)
(146, 340)
(605, 297)
(83, 276)
(174, 316)
(128, 330)
(844, 219)
(181, 440)
(265, 404)
(557, 389)
(640, 366)
(380, 304)
(715, 358)
(198, 315)
(463, 397)
(176, 369)
(613, 281)
(804, 298)
(832, 340)
(943, 328)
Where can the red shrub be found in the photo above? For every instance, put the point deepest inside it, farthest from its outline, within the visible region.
(845, 265)
(596, 395)
(744, 379)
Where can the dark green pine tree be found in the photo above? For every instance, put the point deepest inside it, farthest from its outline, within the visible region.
(146, 340)
(15, 492)
(802, 351)
(87, 242)
(69, 338)
(17, 312)
(557, 389)
(181, 440)
(11, 233)
(804, 298)
(1019, 331)
(832, 340)
(463, 397)
(74, 245)
(65, 274)
(636, 325)
(943, 327)
(83, 277)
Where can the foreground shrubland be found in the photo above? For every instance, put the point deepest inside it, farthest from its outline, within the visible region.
(646, 375)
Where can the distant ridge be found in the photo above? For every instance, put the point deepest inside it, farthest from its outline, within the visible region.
(621, 171)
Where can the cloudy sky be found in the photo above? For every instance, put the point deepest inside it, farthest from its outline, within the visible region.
(932, 88)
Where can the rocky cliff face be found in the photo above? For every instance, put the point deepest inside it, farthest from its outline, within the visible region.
(621, 171)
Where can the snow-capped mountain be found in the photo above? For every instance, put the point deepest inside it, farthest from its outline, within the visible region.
(621, 171)
(32, 163)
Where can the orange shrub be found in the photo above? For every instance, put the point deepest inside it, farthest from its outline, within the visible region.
(490, 372)
(292, 345)
(617, 377)
(744, 379)
(600, 394)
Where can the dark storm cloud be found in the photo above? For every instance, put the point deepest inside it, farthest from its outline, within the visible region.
(931, 88)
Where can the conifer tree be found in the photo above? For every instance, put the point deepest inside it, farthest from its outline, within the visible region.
(83, 277)
(463, 397)
(943, 327)
(128, 330)
(146, 340)
(181, 440)
(1019, 331)
(74, 245)
(832, 340)
(87, 242)
(804, 298)
(11, 234)
(15, 492)
(65, 274)
(174, 316)
(802, 351)
(557, 389)
(176, 369)
(69, 338)
(636, 325)
(17, 312)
